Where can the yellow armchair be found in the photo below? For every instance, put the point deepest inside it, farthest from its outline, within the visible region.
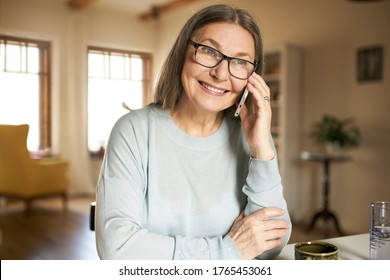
(25, 178)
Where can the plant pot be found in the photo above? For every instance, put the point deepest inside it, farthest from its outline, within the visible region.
(333, 149)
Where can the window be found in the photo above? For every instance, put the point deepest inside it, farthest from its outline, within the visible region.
(116, 79)
(25, 88)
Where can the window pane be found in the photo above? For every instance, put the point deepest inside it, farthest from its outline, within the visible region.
(105, 107)
(95, 65)
(136, 68)
(117, 67)
(33, 60)
(2, 52)
(127, 68)
(13, 62)
(23, 59)
(21, 89)
(19, 103)
(114, 78)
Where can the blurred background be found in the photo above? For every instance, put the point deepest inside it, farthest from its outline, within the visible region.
(101, 56)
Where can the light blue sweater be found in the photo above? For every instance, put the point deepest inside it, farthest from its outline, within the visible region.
(163, 194)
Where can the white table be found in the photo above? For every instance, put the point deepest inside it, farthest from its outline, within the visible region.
(352, 247)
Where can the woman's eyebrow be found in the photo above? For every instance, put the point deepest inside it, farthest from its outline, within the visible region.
(217, 45)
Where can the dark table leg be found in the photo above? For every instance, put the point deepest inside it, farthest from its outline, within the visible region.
(325, 213)
(327, 216)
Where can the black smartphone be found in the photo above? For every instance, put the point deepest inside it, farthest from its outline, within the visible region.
(242, 101)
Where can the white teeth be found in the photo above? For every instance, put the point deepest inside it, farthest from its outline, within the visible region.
(213, 89)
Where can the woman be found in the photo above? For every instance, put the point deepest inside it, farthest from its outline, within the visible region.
(184, 179)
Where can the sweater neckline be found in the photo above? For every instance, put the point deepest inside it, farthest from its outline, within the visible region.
(218, 138)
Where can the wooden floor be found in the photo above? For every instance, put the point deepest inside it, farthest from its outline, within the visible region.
(49, 233)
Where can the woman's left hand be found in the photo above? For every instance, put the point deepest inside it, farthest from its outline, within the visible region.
(257, 123)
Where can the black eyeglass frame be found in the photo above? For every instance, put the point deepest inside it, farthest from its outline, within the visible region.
(224, 57)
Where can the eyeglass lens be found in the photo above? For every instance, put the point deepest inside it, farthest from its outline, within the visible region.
(209, 57)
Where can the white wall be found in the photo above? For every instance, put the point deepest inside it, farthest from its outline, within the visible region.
(329, 31)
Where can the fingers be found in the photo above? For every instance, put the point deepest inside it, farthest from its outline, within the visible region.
(267, 219)
(259, 231)
(269, 216)
(272, 243)
(260, 91)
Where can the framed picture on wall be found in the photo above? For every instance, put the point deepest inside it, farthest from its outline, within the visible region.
(370, 64)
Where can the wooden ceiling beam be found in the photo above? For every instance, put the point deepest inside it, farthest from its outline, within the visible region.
(79, 4)
(156, 11)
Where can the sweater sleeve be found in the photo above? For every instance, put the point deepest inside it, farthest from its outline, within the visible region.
(264, 188)
(120, 206)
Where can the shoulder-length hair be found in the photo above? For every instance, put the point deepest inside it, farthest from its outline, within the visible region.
(169, 87)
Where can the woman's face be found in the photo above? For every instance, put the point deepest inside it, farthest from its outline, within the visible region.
(212, 90)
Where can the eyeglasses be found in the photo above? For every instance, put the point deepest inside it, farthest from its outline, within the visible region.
(209, 57)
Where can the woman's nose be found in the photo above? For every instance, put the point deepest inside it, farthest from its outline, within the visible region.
(221, 71)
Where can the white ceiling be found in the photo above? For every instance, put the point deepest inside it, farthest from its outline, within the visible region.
(130, 6)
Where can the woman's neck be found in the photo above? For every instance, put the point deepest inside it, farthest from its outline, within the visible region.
(195, 123)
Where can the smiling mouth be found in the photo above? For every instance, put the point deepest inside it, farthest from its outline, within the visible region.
(213, 89)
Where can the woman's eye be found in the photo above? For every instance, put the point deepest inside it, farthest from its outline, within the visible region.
(211, 52)
(239, 62)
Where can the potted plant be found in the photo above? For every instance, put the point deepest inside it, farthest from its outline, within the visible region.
(336, 133)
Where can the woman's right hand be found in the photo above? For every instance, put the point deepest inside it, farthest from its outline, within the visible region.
(258, 232)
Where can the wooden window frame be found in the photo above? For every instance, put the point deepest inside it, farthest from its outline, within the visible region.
(147, 67)
(44, 74)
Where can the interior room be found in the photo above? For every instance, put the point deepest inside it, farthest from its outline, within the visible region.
(323, 49)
